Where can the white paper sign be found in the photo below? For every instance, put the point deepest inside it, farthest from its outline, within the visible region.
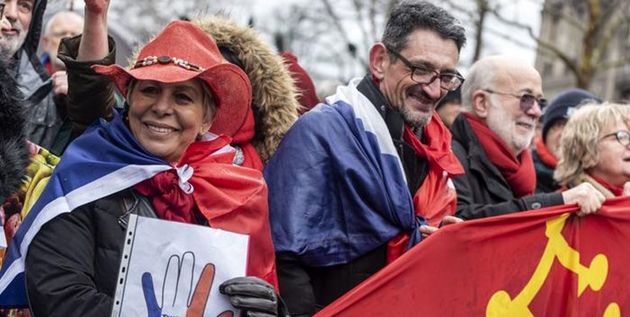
(172, 269)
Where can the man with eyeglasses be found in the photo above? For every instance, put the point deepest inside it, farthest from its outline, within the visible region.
(354, 180)
(504, 102)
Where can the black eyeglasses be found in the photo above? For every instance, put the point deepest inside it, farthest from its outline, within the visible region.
(2, 10)
(623, 137)
(527, 100)
(449, 81)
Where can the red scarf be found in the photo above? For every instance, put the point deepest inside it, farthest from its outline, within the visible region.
(230, 197)
(545, 155)
(519, 173)
(436, 197)
(615, 190)
(243, 139)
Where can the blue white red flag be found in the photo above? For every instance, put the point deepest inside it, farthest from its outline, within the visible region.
(337, 188)
(104, 160)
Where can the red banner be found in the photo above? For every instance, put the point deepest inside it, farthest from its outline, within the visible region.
(539, 263)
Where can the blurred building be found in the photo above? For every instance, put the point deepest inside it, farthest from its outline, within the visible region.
(563, 25)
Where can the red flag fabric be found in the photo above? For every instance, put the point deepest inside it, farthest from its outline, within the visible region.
(537, 263)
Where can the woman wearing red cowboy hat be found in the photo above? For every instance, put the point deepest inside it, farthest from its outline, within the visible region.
(157, 158)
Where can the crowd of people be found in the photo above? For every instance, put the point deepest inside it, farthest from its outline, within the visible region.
(213, 127)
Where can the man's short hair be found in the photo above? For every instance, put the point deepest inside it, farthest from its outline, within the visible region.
(409, 16)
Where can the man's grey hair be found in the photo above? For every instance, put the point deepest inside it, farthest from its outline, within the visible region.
(409, 16)
(482, 75)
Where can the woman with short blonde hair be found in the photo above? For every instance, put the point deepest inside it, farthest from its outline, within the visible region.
(595, 148)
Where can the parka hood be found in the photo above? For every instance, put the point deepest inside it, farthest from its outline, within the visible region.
(27, 55)
(274, 96)
(274, 99)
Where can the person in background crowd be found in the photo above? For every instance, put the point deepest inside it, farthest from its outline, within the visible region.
(61, 25)
(503, 100)
(21, 28)
(303, 82)
(595, 148)
(546, 150)
(177, 90)
(353, 179)
(449, 107)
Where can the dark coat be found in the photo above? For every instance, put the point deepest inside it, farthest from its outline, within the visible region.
(13, 149)
(86, 88)
(482, 191)
(44, 116)
(544, 175)
(72, 263)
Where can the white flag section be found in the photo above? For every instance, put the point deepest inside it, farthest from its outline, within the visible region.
(175, 269)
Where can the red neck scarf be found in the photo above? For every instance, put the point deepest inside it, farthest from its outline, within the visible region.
(230, 197)
(243, 139)
(544, 153)
(436, 197)
(519, 173)
(615, 190)
(169, 200)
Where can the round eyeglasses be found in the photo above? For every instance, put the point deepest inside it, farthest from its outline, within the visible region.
(622, 136)
(422, 75)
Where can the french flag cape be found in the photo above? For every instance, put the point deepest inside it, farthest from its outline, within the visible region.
(107, 159)
(337, 188)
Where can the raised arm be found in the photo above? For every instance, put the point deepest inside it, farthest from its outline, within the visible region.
(94, 44)
(90, 96)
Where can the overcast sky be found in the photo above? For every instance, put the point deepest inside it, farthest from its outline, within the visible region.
(523, 11)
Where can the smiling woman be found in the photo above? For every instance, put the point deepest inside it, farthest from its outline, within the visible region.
(595, 148)
(159, 158)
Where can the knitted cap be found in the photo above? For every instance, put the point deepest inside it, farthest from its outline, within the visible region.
(563, 106)
(451, 96)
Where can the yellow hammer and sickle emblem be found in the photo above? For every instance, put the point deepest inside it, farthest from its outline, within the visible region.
(593, 276)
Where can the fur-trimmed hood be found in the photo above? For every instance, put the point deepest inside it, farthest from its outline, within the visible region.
(13, 149)
(274, 96)
(274, 99)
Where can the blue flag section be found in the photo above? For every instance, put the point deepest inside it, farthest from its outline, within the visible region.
(337, 188)
(104, 160)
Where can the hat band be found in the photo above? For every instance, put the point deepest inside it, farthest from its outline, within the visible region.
(152, 60)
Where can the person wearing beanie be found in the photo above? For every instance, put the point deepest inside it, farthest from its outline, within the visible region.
(546, 152)
(450, 106)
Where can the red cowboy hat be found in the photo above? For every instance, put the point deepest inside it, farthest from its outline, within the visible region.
(183, 51)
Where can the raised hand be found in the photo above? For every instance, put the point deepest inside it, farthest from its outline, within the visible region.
(96, 6)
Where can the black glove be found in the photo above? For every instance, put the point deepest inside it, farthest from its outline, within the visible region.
(253, 296)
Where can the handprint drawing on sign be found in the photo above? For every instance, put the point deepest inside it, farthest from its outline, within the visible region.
(177, 297)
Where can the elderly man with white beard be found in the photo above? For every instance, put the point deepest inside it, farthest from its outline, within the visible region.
(503, 100)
